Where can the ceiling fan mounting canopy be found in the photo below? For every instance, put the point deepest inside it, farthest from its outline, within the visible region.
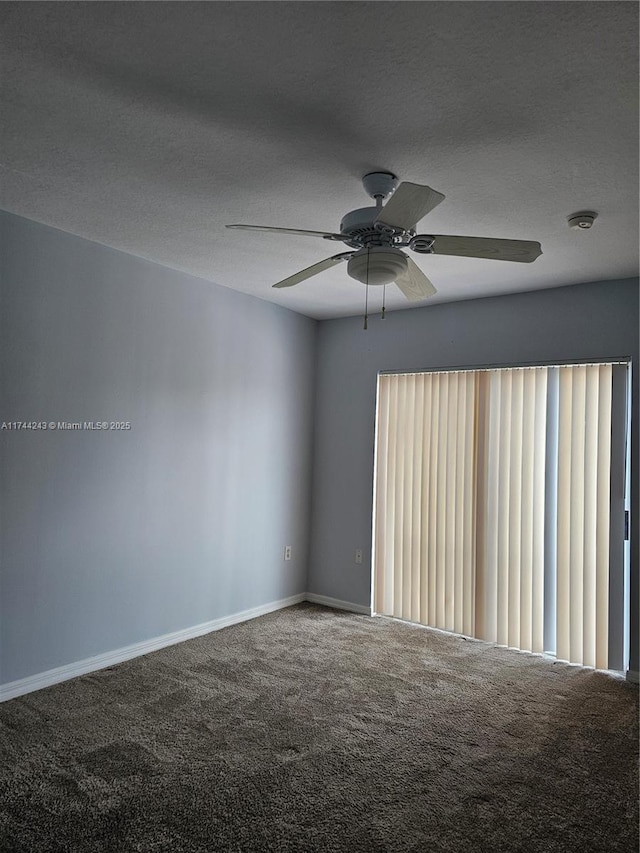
(376, 234)
(379, 185)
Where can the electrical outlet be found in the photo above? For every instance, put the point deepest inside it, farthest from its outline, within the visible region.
(287, 552)
(359, 556)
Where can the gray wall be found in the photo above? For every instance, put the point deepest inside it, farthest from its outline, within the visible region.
(109, 538)
(589, 321)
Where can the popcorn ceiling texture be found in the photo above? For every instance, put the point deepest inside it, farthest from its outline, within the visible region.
(149, 126)
(313, 730)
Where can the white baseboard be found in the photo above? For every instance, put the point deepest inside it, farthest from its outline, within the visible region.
(13, 689)
(63, 673)
(336, 603)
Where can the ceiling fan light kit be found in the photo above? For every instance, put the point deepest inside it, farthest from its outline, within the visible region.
(377, 265)
(377, 234)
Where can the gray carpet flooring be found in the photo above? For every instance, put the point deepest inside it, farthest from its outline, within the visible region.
(321, 732)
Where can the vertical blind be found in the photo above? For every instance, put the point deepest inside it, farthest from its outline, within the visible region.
(584, 466)
(511, 508)
(492, 506)
(425, 499)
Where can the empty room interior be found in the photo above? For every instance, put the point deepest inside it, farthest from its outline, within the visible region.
(319, 405)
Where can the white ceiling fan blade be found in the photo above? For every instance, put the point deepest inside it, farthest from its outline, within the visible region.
(312, 270)
(409, 203)
(524, 251)
(327, 235)
(414, 283)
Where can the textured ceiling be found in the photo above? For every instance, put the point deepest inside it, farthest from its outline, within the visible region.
(148, 126)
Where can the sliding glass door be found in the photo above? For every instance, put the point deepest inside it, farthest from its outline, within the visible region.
(499, 506)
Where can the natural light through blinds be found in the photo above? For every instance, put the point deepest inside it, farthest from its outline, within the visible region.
(492, 506)
(425, 498)
(584, 465)
(511, 506)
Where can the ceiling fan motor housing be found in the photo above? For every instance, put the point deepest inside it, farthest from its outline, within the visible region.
(377, 265)
(360, 228)
(359, 221)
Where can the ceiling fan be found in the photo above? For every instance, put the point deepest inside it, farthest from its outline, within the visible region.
(376, 236)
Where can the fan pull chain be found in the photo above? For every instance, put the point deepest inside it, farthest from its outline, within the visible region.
(366, 294)
(366, 306)
(384, 293)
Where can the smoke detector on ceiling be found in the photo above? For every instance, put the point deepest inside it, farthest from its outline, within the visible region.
(581, 221)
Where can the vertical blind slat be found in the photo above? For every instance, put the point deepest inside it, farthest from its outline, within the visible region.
(513, 463)
(502, 567)
(379, 490)
(397, 485)
(605, 410)
(433, 503)
(489, 475)
(538, 509)
(577, 506)
(391, 492)
(416, 503)
(458, 564)
(469, 508)
(425, 500)
(588, 626)
(563, 522)
(449, 516)
(407, 449)
(525, 603)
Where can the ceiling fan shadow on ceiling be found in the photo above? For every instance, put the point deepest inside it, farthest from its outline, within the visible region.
(376, 236)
